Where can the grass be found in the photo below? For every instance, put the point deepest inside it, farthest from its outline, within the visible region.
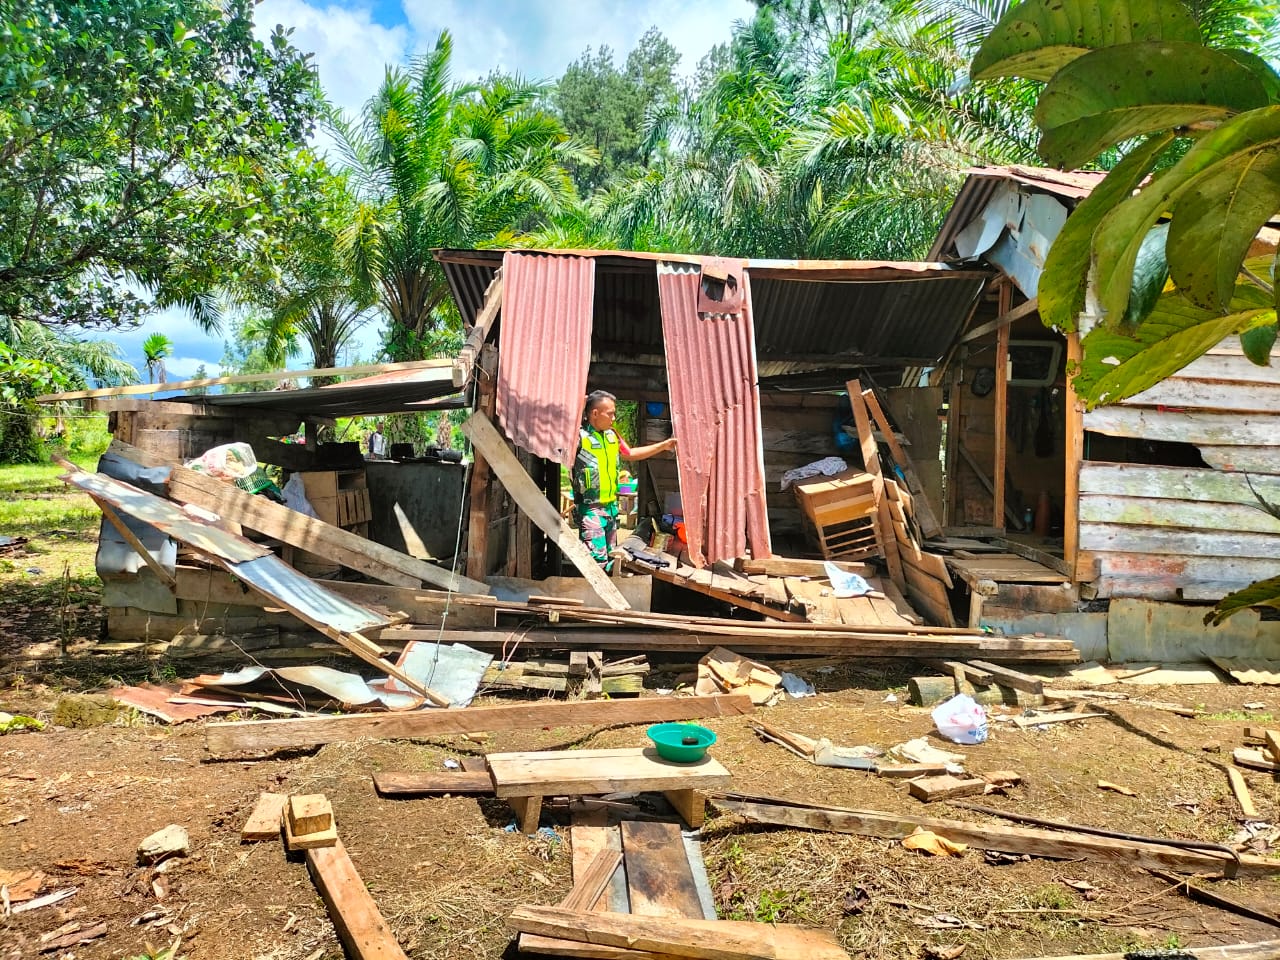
(41, 477)
(1239, 715)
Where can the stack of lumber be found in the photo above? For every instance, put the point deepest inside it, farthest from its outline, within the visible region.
(582, 672)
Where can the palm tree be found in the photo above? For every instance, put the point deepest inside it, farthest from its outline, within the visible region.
(438, 165)
(154, 349)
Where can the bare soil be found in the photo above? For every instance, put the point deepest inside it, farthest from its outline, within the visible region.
(445, 872)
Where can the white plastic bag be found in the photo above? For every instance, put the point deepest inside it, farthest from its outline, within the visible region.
(231, 461)
(961, 719)
(845, 584)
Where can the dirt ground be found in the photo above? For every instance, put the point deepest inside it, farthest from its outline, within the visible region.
(445, 872)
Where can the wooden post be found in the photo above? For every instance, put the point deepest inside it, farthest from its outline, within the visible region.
(486, 439)
(478, 517)
(1002, 408)
(951, 507)
(871, 461)
(1074, 429)
(522, 546)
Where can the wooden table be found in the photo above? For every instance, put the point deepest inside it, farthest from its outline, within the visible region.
(523, 779)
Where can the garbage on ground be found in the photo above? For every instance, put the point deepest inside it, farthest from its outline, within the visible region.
(930, 843)
(961, 720)
(797, 687)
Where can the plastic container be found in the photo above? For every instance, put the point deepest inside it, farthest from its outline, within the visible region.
(673, 741)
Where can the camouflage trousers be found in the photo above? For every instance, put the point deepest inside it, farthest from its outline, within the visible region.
(598, 530)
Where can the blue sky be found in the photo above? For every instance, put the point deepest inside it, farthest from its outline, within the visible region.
(354, 40)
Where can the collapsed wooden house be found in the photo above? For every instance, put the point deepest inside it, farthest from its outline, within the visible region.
(976, 484)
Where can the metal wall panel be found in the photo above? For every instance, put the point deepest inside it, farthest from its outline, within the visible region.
(715, 411)
(544, 349)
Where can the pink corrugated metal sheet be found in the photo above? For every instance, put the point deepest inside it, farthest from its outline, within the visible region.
(715, 411)
(544, 349)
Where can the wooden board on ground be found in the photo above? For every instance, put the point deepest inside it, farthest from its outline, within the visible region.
(659, 879)
(265, 820)
(308, 822)
(945, 787)
(1054, 844)
(250, 736)
(589, 885)
(432, 784)
(1241, 791)
(587, 841)
(355, 916)
(484, 435)
(580, 772)
(700, 939)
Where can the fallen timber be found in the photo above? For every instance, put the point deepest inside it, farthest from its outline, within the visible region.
(1149, 853)
(250, 736)
(827, 640)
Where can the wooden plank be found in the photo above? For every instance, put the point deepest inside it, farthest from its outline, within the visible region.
(265, 820)
(140, 389)
(1037, 556)
(355, 916)
(1120, 538)
(1263, 950)
(1000, 439)
(1073, 455)
(1255, 759)
(945, 787)
(706, 589)
(929, 595)
(590, 836)
(432, 784)
(1254, 459)
(1271, 744)
(526, 493)
(871, 462)
(589, 886)
(1176, 483)
(255, 735)
(680, 937)
(1198, 427)
(792, 567)
(820, 608)
(929, 563)
(298, 530)
(1009, 677)
(581, 772)
(1197, 395)
(1005, 318)
(909, 771)
(479, 332)
(1058, 845)
(924, 514)
(1241, 791)
(659, 879)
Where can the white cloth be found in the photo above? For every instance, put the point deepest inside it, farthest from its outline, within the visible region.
(827, 467)
(377, 446)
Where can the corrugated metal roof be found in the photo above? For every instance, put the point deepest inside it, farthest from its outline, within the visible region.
(983, 182)
(715, 411)
(398, 391)
(813, 313)
(544, 350)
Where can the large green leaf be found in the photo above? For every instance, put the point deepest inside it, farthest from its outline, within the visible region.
(1264, 593)
(1037, 38)
(1114, 94)
(1257, 344)
(1116, 366)
(1217, 214)
(1066, 268)
(1150, 271)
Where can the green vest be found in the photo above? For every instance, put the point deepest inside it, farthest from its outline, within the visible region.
(595, 468)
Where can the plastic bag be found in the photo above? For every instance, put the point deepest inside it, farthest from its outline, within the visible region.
(231, 461)
(961, 719)
(845, 584)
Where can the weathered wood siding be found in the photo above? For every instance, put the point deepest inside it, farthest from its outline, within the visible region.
(1188, 533)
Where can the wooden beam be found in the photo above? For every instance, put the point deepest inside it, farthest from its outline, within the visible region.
(139, 389)
(131, 538)
(1058, 845)
(1241, 791)
(681, 937)
(1010, 678)
(1000, 441)
(478, 498)
(484, 435)
(257, 735)
(871, 462)
(307, 533)
(1006, 317)
(924, 515)
(464, 365)
(954, 394)
(1073, 456)
(355, 916)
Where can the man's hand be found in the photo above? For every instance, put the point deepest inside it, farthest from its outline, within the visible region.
(669, 443)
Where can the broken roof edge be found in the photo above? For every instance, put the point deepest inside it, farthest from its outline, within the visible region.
(761, 268)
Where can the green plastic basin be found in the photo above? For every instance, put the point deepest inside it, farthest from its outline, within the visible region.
(681, 742)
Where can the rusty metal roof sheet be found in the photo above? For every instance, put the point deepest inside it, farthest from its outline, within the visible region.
(982, 184)
(544, 350)
(715, 409)
(807, 314)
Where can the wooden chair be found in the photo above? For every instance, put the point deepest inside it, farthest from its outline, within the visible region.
(842, 514)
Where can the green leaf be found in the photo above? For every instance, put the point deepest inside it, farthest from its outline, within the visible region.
(1257, 344)
(1117, 365)
(1150, 271)
(1218, 214)
(1037, 38)
(1264, 593)
(1066, 268)
(1112, 95)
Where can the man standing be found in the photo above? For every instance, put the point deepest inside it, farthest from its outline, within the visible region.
(377, 443)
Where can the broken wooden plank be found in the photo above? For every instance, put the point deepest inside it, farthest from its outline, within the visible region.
(484, 435)
(681, 937)
(945, 787)
(355, 916)
(924, 514)
(265, 820)
(390, 784)
(871, 462)
(1241, 791)
(1271, 744)
(908, 771)
(308, 822)
(591, 885)
(1040, 719)
(1057, 845)
(1009, 677)
(248, 736)
(1254, 759)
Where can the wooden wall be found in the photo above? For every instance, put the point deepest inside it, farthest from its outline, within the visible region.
(1187, 533)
